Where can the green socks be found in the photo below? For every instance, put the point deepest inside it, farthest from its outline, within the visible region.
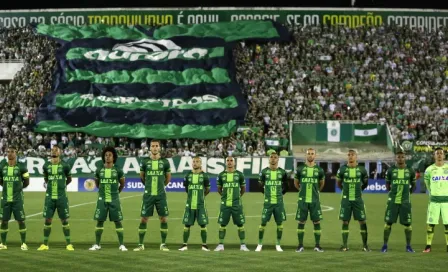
(204, 234)
(429, 234)
(317, 233)
(345, 232)
(98, 232)
(222, 234)
(408, 234)
(141, 233)
(279, 234)
(187, 234)
(4, 232)
(163, 231)
(22, 231)
(387, 231)
(242, 234)
(66, 231)
(364, 234)
(47, 231)
(261, 234)
(119, 230)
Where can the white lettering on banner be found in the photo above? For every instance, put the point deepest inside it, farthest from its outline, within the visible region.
(202, 18)
(38, 185)
(242, 17)
(431, 143)
(135, 185)
(10, 22)
(131, 165)
(428, 22)
(142, 49)
(213, 166)
(376, 187)
(71, 20)
(175, 185)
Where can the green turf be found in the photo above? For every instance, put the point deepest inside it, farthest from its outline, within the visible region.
(109, 258)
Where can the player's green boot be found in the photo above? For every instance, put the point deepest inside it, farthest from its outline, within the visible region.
(70, 247)
(3, 247)
(163, 247)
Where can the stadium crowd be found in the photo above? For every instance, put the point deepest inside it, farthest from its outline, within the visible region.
(387, 74)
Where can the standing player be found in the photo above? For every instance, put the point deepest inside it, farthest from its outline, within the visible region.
(197, 186)
(400, 182)
(231, 187)
(309, 180)
(155, 173)
(57, 176)
(352, 179)
(436, 180)
(14, 177)
(109, 179)
(274, 182)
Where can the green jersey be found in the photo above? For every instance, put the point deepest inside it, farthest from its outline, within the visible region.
(274, 183)
(400, 181)
(109, 181)
(155, 175)
(309, 179)
(56, 175)
(436, 180)
(195, 184)
(353, 180)
(231, 183)
(12, 177)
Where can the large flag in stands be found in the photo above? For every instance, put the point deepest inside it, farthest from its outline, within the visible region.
(175, 81)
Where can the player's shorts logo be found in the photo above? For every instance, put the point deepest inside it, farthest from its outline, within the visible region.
(89, 185)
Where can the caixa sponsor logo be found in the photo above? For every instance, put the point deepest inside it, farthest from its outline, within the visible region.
(439, 178)
(376, 186)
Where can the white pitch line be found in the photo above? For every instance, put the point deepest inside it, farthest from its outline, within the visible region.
(74, 206)
(327, 209)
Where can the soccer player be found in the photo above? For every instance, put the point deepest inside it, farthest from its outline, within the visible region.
(400, 182)
(436, 180)
(197, 186)
(109, 179)
(274, 183)
(352, 179)
(155, 173)
(231, 187)
(309, 180)
(57, 176)
(14, 177)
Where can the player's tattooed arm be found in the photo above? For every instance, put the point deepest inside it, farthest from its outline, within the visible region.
(285, 184)
(365, 179)
(186, 183)
(97, 178)
(261, 181)
(388, 178)
(242, 190)
(142, 177)
(339, 179)
(121, 184)
(413, 183)
(207, 185)
(68, 175)
(167, 178)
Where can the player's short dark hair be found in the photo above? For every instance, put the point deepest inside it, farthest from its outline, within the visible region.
(109, 149)
(439, 148)
(155, 141)
(353, 151)
(309, 149)
(230, 158)
(399, 152)
(197, 157)
(273, 153)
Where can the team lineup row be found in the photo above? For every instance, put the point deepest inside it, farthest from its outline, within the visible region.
(155, 174)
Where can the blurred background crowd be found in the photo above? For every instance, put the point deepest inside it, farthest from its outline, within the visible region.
(386, 74)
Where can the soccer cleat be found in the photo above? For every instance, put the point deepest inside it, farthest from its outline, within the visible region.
(300, 248)
(43, 247)
(384, 249)
(427, 249)
(318, 249)
(343, 248)
(122, 248)
(70, 247)
(139, 248)
(366, 248)
(278, 248)
(220, 247)
(24, 247)
(205, 248)
(183, 247)
(243, 247)
(95, 247)
(409, 249)
(163, 247)
(259, 248)
(3, 247)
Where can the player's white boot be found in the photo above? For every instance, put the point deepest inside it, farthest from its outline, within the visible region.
(95, 247)
(184, 247)
(122, 248)
(259, 248)
(278, 248)
(24, 247)
(243, 247)
(220, 247)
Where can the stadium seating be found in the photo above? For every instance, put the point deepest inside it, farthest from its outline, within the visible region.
(385, 74)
